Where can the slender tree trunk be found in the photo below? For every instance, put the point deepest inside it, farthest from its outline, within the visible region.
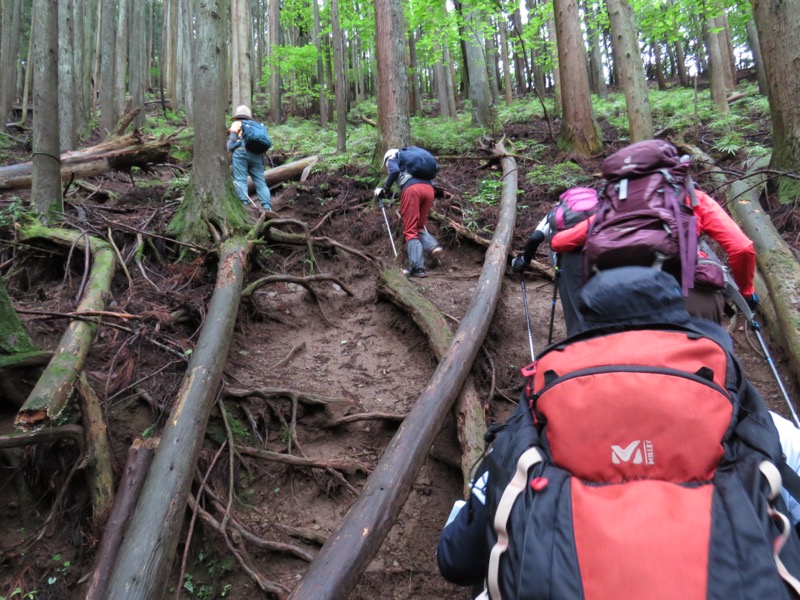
(242, 66)
(491, 66)
(778, 24)
(628, 62)
(9, 60)
(67, 104)
(340, 79)
(449, 74)
(137, 54)
(726, 50)
(122, 62)
(662, 82)
(321, 80)
(108, 113)
(482, 110)
(393, 118)
(755, 49)
(507, 93)
(276, 112)
(552, 45)
(717, 68)
(46, 189)
(579, 131)
(598, 76)
(519, 58)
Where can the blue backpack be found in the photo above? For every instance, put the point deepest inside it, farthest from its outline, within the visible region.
(255, 136)
(418, 162)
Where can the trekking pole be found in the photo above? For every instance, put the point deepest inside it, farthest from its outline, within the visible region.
(527, 316)
(757, 328)
(731, 290)
(557, 263)
(388, 228)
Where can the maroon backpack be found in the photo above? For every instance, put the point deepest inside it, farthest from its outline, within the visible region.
(643, 218)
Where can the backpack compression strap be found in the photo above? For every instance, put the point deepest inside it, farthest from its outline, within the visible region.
(772, 474)
(515, 487)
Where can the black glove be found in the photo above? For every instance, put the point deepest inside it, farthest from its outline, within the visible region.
(753, 301)
(519, 264)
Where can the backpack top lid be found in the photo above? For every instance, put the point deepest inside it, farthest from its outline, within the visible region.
(580, 199)
(641, 158)
(632, 295)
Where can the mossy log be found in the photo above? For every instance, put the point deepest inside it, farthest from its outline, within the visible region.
(145, 557)
(470, 420)
(116, 154)
(298, 169)
(101, 486)
(343, 558)
(779, 270)
(55, 386)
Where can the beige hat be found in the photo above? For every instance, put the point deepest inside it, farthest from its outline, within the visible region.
(242, 112)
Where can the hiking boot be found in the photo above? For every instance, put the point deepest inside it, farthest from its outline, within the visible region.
(420, 273)
(437, 252)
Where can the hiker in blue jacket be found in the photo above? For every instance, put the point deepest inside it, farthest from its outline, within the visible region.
(416, 199)
(246, 163)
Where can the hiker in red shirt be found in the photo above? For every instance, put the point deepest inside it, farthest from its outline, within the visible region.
(704, 301)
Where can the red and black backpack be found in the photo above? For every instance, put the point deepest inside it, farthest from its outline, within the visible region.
(641, 464)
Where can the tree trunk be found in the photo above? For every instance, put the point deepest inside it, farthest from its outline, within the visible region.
(507, 94)
(9, 61)
(755, 49)
(340, 563)
(55, 386)
(140, 456)
(579, 131)
(598, 78)
(340, 79)
(67, 92)
(717, 77)
(629, 67)
(137, 71)
(108, 115)
(778, 24)
(321, 80)
(479, 93)
(393, 119)
(46, 184)
(276, 113)
(121, 57)
(118, 154)
(147, 551)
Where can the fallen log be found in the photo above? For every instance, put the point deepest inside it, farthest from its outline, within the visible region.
(299, 169)
(55, 386)
(348, 551)
(779, 270)
(140, 455)
(116, 154)
(146, 553)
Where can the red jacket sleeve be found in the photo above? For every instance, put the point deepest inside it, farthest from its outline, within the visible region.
(571, 239)
(713, 221)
